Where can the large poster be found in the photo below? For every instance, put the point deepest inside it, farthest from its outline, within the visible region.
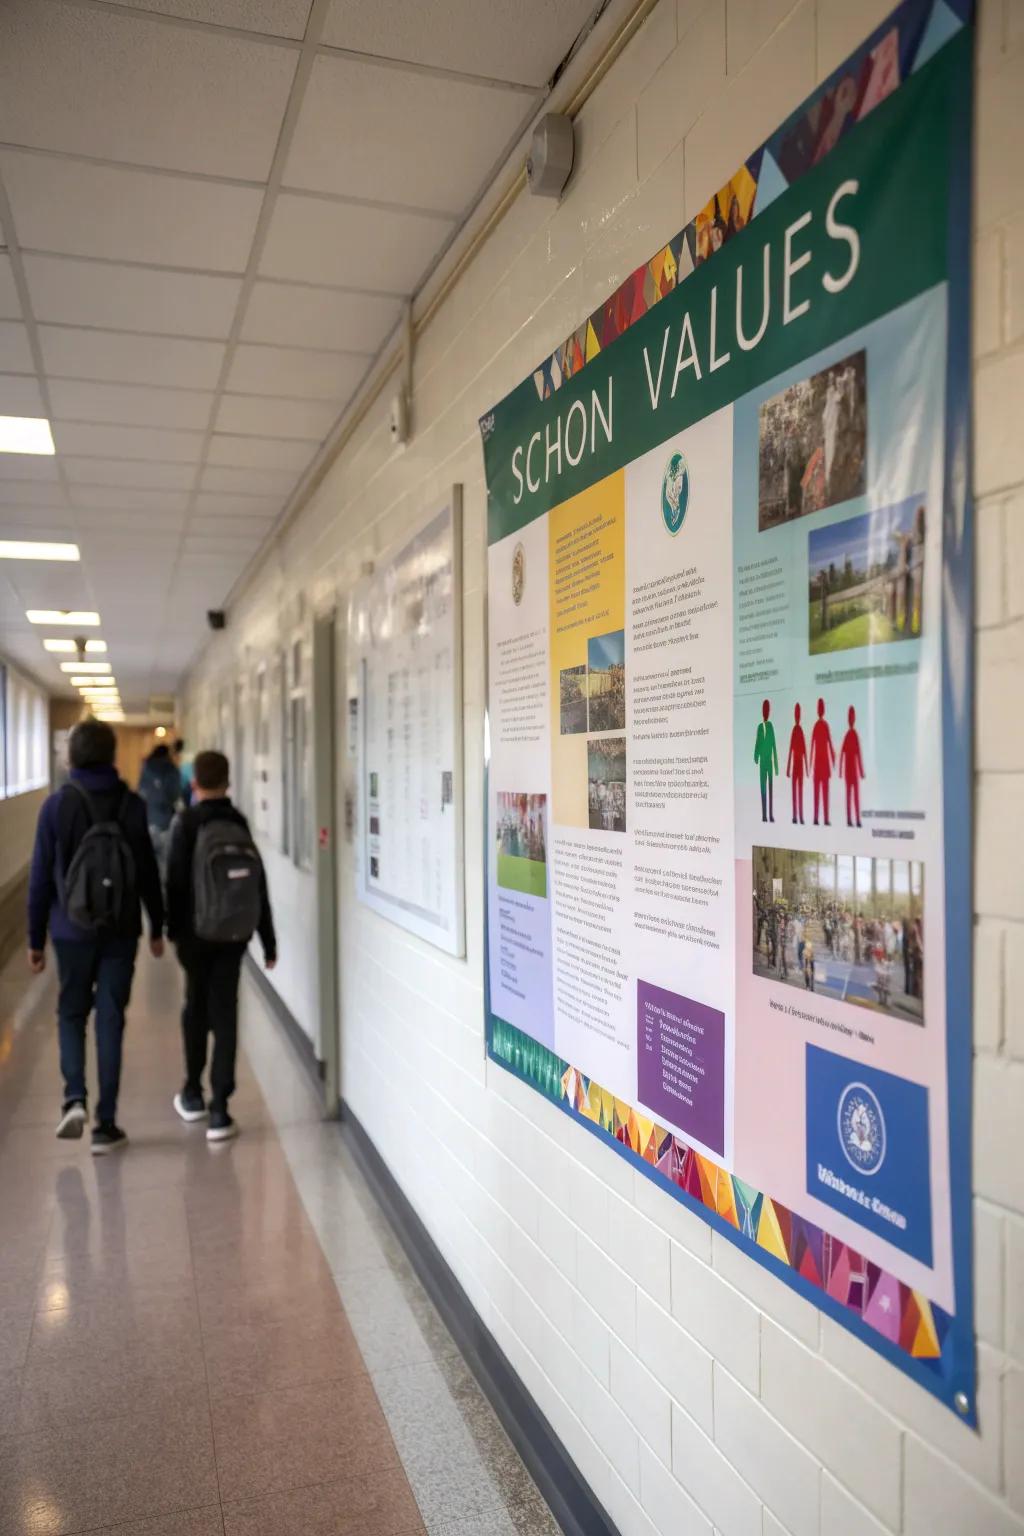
(728, 904)
(405, 627)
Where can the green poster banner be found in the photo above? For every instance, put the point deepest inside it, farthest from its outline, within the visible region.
(727, 837)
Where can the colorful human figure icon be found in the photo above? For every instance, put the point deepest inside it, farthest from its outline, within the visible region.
(851, 768)
(823, 757)
(796, 765)
(766, 756)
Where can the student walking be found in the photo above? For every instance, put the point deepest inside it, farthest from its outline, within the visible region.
(160, 787)
(92, 870)
(216, 899)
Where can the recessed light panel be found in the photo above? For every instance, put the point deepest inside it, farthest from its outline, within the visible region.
(26, 434)
(86, 666)
(80, 616)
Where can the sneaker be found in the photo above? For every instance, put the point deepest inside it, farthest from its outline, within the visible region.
(72, 1121)
(190, 1106)
(221, 1126)
(107, 1137)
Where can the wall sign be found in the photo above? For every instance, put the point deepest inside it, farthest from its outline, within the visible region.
(728, 857)
(405, 643)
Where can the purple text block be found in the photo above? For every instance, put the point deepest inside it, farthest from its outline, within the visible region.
(681, 1062)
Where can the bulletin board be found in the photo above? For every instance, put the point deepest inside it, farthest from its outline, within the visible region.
(405, 654)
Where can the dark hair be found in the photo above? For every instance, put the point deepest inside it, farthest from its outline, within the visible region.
(179, 745)
(92, 744)
(211, 770)
(161, 750)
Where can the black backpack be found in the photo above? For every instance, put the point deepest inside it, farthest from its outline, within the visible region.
(227, 881)
(99, 886)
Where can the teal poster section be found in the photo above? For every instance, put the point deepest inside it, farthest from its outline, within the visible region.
(728, 829)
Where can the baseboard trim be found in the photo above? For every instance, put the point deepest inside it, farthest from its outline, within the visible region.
(571, 1499)
(299, 1040)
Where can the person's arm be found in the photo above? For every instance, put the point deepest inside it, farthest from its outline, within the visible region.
(268, 937)
(42, 883)
(775, 754)
(179, 876)
(149, 879)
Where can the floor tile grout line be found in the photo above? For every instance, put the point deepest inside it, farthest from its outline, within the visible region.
(206, 1368)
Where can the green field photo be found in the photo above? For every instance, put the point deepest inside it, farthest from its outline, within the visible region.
(526, 875)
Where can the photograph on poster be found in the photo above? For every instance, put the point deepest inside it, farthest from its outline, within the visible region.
(606, 773)
(865, 579)
(572, 701)
(606, 686)
(522, 843)
(813, 443)
(846, 927)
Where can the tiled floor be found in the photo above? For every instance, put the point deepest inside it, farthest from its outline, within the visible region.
(219, 1341)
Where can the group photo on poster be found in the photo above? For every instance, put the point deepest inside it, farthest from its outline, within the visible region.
(725, 771)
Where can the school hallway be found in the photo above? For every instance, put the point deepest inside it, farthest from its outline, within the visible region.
(198, 1339)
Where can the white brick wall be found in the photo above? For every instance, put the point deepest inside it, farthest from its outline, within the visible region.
(695, 1391)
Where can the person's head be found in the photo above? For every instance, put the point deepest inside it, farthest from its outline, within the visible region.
(160, 752)
(178, 748)
(821, 709)
(92, 744)
(211, 774)
(851, 714)
(796, 713)
(766, 710)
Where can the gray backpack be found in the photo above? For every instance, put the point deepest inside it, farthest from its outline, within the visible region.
(227, 880)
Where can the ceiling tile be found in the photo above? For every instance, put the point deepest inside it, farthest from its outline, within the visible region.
(58, 524)
(111, 356)
(353, 138)
(276, 18)
(19, 396)
(80, 209)
(10, 307)
(245, 527)
(217, 506)
(28, 466)
(310, 419)
(519, 40)
(260, 452)
(32, 494)
(130, 404)
(130, 298)
(259, 481)
(100, 441)
(290, 315)
(137, 473)
(350, 245)
(138, 503)
(121, 87)
(15, 354)
(292, 371)
(95, 520)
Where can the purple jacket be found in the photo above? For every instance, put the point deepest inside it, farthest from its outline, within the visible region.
(58, 834)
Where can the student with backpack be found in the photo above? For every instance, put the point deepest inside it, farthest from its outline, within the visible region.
(216, 899)
(93, 869)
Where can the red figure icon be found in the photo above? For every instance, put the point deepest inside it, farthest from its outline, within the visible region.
(796, 765)
(823, 757)
(851, 768)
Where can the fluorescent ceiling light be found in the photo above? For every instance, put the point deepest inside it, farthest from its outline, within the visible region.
(110, 715)
(79, 616)
(26, 434)
(29, 549)
(85, 681)
(68, 647)
(86, 666)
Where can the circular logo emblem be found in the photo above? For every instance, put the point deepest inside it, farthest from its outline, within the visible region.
(861, 1127)
(518, 574)
(675, 492)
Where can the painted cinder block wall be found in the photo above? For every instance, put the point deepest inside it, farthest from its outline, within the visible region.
(702, 1396)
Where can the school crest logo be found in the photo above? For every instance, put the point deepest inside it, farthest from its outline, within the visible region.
(861, 1126)
(675, 492)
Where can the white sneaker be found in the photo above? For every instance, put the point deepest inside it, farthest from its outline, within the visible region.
(221, 1126)
(190, 1110)
(72, 1121)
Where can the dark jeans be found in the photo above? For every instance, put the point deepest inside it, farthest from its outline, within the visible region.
(211, 1008)
(93, 973)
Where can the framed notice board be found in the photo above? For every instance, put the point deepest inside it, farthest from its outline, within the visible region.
(405, 642)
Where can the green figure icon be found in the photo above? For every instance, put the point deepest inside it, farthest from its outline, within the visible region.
(766, 757)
